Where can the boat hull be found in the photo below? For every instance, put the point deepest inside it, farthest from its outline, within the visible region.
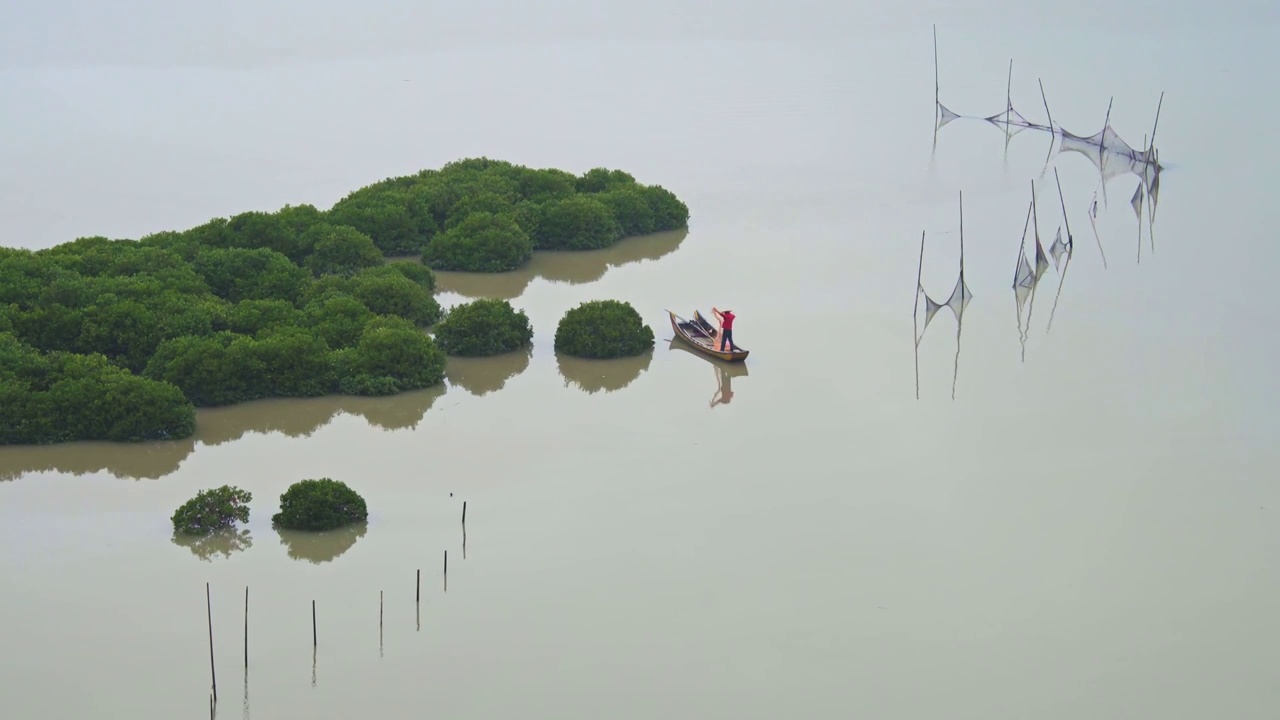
(699, 339)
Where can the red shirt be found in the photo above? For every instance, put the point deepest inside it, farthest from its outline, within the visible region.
(726, 320)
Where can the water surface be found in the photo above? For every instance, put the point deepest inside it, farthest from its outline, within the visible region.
(1083, 531)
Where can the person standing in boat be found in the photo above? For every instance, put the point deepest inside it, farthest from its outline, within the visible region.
(726, 319)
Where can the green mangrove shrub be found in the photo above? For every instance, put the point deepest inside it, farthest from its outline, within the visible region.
(110, 339)
(483, 327)
(62, 397)
(391, 356)
(212, 510)
(322, 504)
(577, 223)
(603, 329)
(482, 242)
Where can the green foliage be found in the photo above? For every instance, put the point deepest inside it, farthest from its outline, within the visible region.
(669, 213)
(337, 318)
(556, 210)
(393, 293)
(483, 327)
(484, 201)
(323, 504)
(212, 510)
(113, 339)
(228, 368)
(630, 206)
(601, 179)
(417, 272)
(62, 397)
(236, 274)
(577, 223)
(248, 317)
(392, 216)
(483, 242)
(603, 329)
(340, 250)
(299, 219)
(392, 356)
(269, 231)
(124, 331)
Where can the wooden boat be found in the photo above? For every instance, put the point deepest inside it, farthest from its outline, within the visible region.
(698, 334)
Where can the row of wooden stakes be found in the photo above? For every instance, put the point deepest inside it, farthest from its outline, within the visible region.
(213, 674)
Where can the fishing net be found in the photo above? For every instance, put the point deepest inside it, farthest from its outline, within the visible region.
(1108, 151)
(1028, 274)
(1057, 249)
(957, 301)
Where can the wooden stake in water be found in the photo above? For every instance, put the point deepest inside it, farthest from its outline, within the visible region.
(379, 623)
(313, 624)
(213, 674)
(418, 596)
(246, 627)
(464, 512)
(446, 571)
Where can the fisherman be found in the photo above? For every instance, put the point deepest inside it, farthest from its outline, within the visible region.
(726, 319)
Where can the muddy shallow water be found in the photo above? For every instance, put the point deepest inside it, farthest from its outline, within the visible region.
(1086, 529)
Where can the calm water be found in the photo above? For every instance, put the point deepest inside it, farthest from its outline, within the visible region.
(1086, 531)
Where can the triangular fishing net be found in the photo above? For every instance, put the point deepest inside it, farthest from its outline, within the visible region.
(945, 115)
(1024, 277)
(1042, 262)
(1020, 294)
(1011, 118)
(1136, 202)
(1106, 140)
(957, 301)
(1110, 152)
(960, 297)
(1057, 248)
(930, 308)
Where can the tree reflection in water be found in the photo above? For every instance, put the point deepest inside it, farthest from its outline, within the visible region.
(221, 542)
(321, 547)
(592, 376)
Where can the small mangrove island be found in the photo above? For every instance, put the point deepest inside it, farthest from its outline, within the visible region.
(482, 328)
(603, 330)
(120, 340)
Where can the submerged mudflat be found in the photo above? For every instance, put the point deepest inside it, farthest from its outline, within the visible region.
(1090, 514)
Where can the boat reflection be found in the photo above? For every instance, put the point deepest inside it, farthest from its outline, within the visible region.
(724, 372)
